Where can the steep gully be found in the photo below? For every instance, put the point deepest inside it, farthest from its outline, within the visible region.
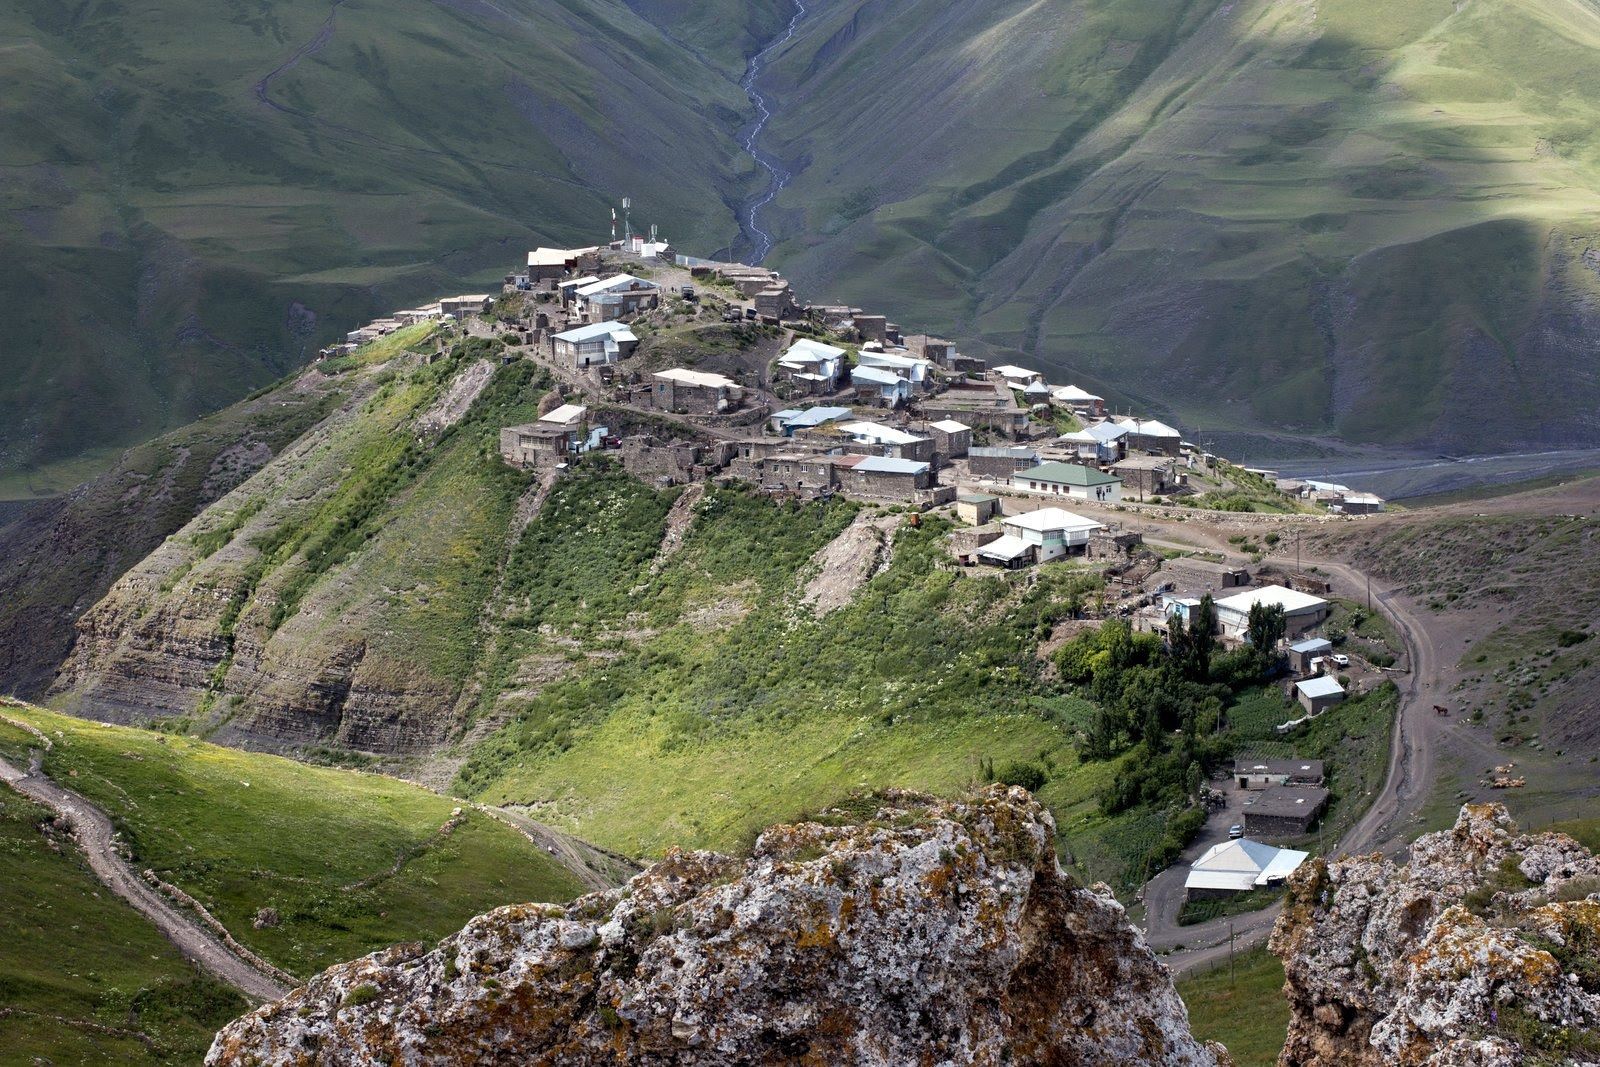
(778, 174)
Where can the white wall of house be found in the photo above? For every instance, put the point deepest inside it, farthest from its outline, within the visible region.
(1110, 493)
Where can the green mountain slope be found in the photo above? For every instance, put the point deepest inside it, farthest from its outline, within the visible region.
(640, 666)
(197, 195)
(340, 863)
(1343, 218)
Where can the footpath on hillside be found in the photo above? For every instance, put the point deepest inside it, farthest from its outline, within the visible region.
(95, 835)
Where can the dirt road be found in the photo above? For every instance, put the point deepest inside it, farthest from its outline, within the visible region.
(93, 831)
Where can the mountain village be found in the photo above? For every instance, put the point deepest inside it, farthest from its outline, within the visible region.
(689, 371)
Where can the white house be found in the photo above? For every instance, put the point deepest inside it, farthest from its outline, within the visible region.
(620, 294)
(1016, 377)
(1051, 532)
(886, 385)
(597, 343)
(1239, 866)
(807, 418)
(888, 440)
(1301, 611)
(813, 361)
(1069, 480)
(1080, 400)
(914, 370)
(1086, 446)
(1152, 436)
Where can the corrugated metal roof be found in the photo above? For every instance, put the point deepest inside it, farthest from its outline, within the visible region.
(890, 465)
(1074, 474)
(1320, 687)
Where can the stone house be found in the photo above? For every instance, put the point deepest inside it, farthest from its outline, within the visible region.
(645, 456)
(882, 478)
(1203, 575)
(695, 392)
(980, 405)
(951, 440)
(1284, 810)
(1146, 476)
(1259, 774)
(541, 445)
(462, 306)
(873, 439)
(1001, 462)
(1148, 435)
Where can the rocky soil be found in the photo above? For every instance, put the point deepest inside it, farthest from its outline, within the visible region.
(908, 932)
(1483, 950)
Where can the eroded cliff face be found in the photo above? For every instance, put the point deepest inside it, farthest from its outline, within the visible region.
(1483, 950)
(915, 932)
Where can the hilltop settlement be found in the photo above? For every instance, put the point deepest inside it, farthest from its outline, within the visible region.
(690, 371)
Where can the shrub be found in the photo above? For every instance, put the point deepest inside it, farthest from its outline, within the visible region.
(1029, 776)
(365, 993)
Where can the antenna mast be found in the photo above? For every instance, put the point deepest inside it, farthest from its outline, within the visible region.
(627, 225)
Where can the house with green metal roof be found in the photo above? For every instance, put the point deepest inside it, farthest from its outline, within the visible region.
(1069, 480)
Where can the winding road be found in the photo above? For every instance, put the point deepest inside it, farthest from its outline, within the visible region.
(93, 831)
(777, 174)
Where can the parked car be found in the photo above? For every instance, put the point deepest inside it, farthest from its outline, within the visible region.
(1340, 660)
(1235, 831)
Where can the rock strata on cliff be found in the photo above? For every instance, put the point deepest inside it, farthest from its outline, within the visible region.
(918, 933)
(1483, 950)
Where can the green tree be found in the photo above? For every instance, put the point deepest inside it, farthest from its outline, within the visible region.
(1265, 628)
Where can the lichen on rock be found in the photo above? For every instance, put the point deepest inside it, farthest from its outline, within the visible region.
(1483, 950)
(911, 931)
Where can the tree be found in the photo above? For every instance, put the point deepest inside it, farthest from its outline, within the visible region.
(1265, 628)
(1199, 640)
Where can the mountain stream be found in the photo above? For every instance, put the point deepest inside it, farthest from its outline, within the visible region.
(777, 173)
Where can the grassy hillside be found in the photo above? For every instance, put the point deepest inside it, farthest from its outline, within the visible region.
(197, 195)
(231, 827)
(84, 976)
(1341, 219)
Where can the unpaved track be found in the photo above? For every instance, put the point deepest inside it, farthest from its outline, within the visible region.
(93, 831)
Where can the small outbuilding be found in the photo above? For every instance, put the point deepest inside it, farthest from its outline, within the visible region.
(975, 509)
(1301, 653)
(1317, 695)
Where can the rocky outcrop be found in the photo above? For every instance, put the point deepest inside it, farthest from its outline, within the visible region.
(914, 932)
(1483, 950)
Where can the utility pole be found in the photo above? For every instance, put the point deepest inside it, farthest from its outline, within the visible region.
(1369, 594)
(1230, 952)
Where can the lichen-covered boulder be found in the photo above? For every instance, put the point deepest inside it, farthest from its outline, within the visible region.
(1484, 950)
(910, 932)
